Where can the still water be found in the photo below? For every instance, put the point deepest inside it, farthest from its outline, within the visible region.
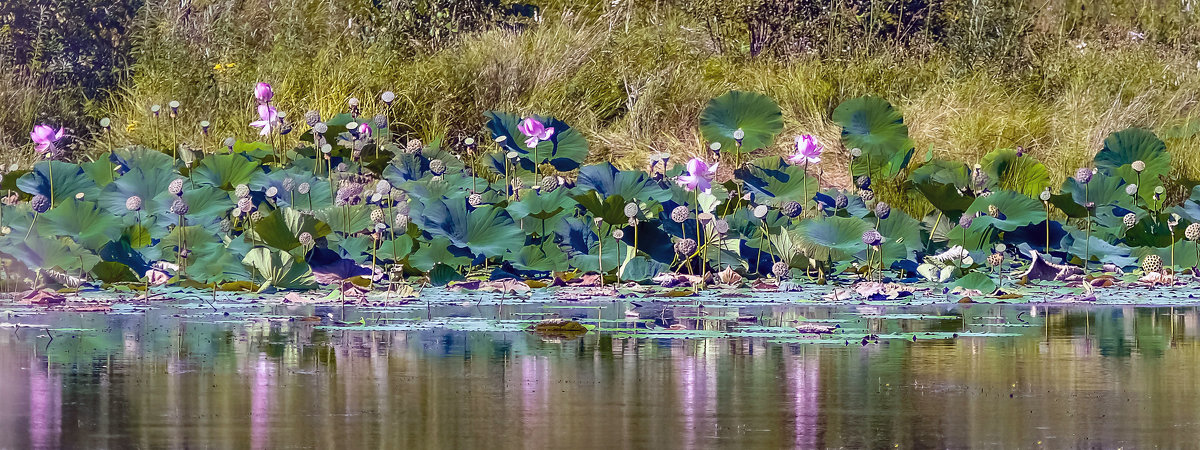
(1021, 377)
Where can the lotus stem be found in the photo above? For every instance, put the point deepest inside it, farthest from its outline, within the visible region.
(1087, 245)
(934, 230)
(31, 225)
(50, 165)
(1047, 205)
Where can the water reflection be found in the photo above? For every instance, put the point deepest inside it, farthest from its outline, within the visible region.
(1120, 376)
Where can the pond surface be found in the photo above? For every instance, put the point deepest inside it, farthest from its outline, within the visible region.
(178, 375)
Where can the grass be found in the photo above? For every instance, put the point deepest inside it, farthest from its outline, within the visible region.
(634, 79)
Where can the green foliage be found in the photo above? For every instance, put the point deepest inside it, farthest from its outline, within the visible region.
(874, 126)
(757, 115)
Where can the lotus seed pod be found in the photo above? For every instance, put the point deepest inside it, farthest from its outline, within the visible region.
(312, 117)
(632, 209)
(353, 102)
(1131, 189)
(40, 203)
(966, 220)
(841, 201)
(995, 259)
(241, 191)
(872, 237)
(320, 128)
(863, 182)
(306, 239)
(780, 269)
(176, 186)
(618, 234)
(721, 226)
(739, 134)
(400, 221)
(1192, 232)
(1151, 263)
(1172, 222)
(980, 179)
(285, 128)
(179, 207)
(790, 208)
(680, 214)
(133, 203)
(437, 166)
(760, 211)
(1083, 175)
(413, 146)
(226, 225)
(397, 195)
(377, 215)
(342, 167)
(685, 247)
(517, 184)
(1045, 195)
(402, 206)
(549, 184)
(855, 152)
(303, 188)
(1130, 220)
(867, 196)
(380, 121)
(882, 210)
(272, 192)
(475, 199)
(993, 211)
(1138, 166)
(245, 205)
(1158, 190)
(633, 222)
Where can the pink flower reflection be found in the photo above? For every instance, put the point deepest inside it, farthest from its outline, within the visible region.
(260, 404)
(45, 407)
(803, 385)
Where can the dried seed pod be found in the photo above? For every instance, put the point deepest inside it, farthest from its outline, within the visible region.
(867, 196)
(1192, 232)
(289, 184)
(680, 214)
(1130, 220)
(549, 184)
(377, 215)
(176, 186)
(1151, 263)
(721, 226)
(1138, 166)
(475, 199)
(272, 192)
(133, 203)
(400, 221)
(303, 188)
(618, 234)
(995, 259)
(312, 117)
(241, 191)
(1083, 175)
(872, 237)
(179, 207)
(790, 208)
(437, 166)
(685, 247)
(882, 210)
(780, 270)
(413, 146)
(40, 203)
(306, 239)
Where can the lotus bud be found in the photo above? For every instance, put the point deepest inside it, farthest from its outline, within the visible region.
(1129, 220)
(306, 239)
(618, 234)
(791, 208)
(40, 203)
(437, 166)
(179, 207)
(303, 188)
(1192, 232)
(377, 215)
(780, 270)
(680, 214)
(872, 237)
(549, 184)
(632, 209)
(1138, 166)
(241, 191)
(760, 211)
(272, 192)
(685, 247)
(133, 203)
(1083, 175)
(882, 210)
(841, 201)
(474, 199)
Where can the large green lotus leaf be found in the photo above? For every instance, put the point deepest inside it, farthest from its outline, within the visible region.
(901, 228)
(82, 221)
(451, 185)
(225, 171)
(146, 159)
(566, 149)
(347, 219)
(775, 182)
(522, 169)
(218, 267)
(281, 229)
(757, 115)
(69, 179)
(139, 182)
(442, 274)
(1077, 243)
(38, 252)
(832, 237)
(486, 230)
(197, 239)
(873, 125)
(1124, 147)
(437, 251)
(544, 207)
(279, 269)
(976, 280)
(1016, 210)
(1017, 173)
(1151, 231)
(395, 249)
(641, 269)
(547, 257)
(207, 205)
(1184, 254)
(356, 248)
(1103, 190)
(590, 261)
(605, 179)
(102, 171)
(611, 208)
(944, 183)
(113, 272)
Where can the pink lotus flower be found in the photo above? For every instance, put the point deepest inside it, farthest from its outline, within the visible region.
(808, 150)
(267, 118)
(263, 92)
(45, 136)
(364, 131)
(535, 130)
(699, 176)
(157, 277)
